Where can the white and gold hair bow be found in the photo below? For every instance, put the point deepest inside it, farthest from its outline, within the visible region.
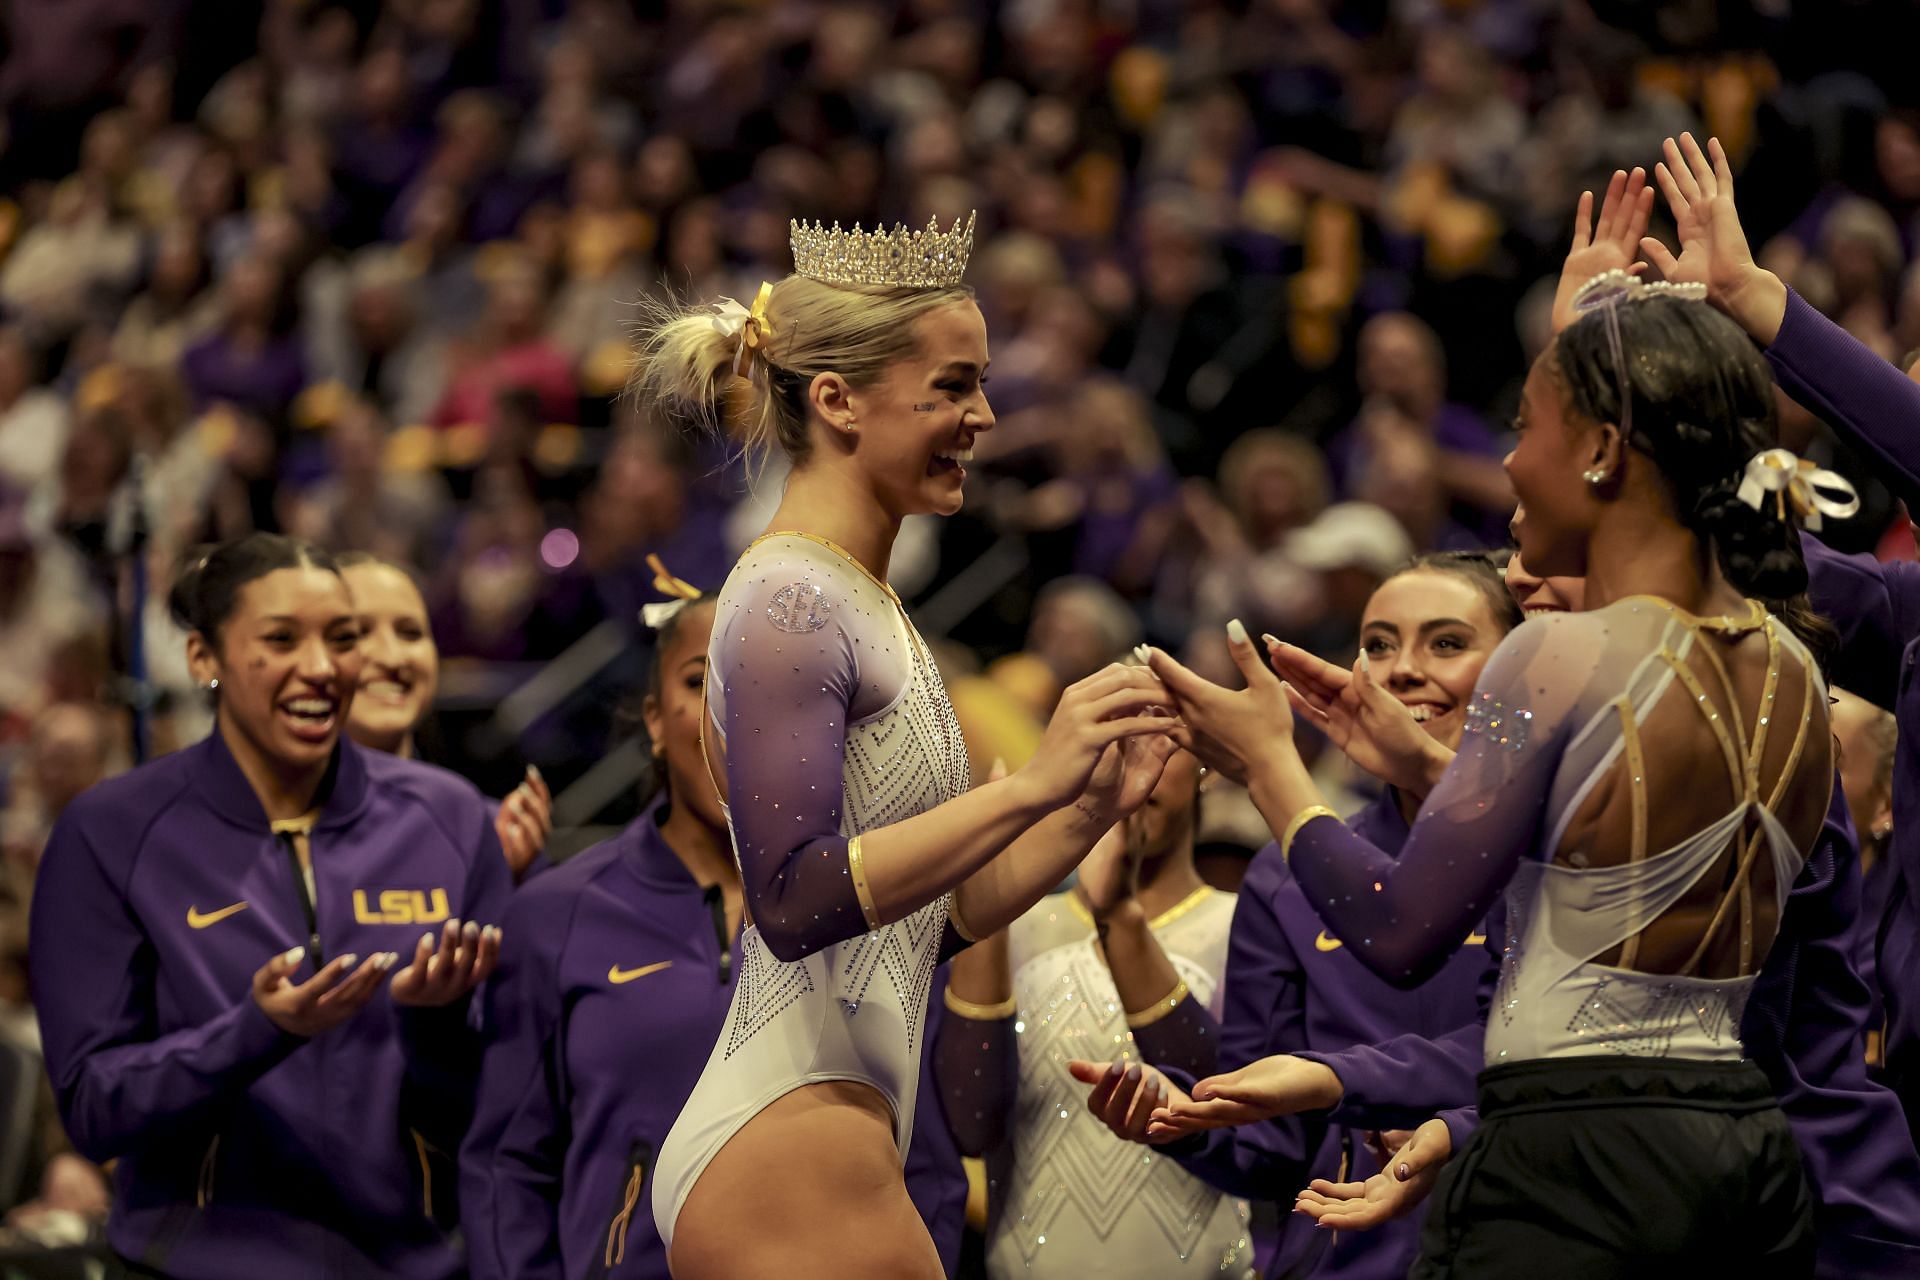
(660, 613)
(1813, 491)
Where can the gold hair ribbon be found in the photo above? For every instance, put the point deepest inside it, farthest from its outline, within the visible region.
(1793, 479)
(683, 593)
(752, 325)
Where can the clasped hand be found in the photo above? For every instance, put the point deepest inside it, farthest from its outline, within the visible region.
(1230, 730)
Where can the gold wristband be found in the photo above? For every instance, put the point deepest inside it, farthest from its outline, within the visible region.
(858, 870)
(959, 925)
(1300, 820)
(1159, 1008)
(982, 1012)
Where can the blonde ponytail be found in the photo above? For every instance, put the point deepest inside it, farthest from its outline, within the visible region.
(685, 374)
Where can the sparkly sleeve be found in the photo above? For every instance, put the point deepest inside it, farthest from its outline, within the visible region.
(1405, 918)
(784, 653)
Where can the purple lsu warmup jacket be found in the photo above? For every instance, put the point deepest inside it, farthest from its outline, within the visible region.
(244, 1151)
(600, 1020)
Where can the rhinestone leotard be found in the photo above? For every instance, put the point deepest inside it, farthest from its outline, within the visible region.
(834, 722)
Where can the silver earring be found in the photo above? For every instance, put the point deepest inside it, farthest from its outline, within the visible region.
(1595, 476)
(213, 686)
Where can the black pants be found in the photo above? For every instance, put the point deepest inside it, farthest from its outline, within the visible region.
(1627, 1168)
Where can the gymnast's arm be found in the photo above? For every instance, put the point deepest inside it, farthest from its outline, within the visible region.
(788, 655)
(1403, 918)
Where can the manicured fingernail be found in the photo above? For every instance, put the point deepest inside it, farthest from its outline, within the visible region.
(1273, 641)
(426, 939)
(1113, 1071)
(1237, 631)
(1366, 663)
(533, 771)
(1143, 653)
(296, 955)
(1133, 1073)
(386, 960)
(347, 960)
(472, 931)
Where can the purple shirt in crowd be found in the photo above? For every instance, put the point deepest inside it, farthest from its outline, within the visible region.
(244, 1151)
(616, 979)
(1293, 987)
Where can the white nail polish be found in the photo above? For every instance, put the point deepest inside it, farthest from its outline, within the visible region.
(533, 771)
(1237, 631)
(1143, 653)
(472, 930)
(347, 960)
(296, 955)
(1366, 663)
(426, 940)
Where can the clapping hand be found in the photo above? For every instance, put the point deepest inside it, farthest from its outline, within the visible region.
(1282, 1085)
(1404, 1182)
(325, 1000)
(1372, 727)
(1125, 1096)
(524, 822)
(440, 976)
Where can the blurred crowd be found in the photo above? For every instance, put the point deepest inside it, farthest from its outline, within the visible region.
(1262, 279)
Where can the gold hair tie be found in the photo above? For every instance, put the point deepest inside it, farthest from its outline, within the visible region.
(683, 593)
(754, 333)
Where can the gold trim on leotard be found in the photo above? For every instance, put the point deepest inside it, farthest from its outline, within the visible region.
(857, 868)
(1300, 820)
(981, 1012)
(1159, 1008)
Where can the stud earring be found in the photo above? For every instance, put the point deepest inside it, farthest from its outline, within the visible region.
(1595, 476)
(213, 686)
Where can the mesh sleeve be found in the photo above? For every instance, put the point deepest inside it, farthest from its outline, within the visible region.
(1405, 918)
(784, 655)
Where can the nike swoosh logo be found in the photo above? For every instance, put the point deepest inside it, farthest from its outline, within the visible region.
(616, 975)
(197, 921)
(1325, 943)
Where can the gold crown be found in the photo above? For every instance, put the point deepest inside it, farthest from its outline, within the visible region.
(900, 259)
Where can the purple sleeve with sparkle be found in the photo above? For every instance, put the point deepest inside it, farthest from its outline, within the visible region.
(1187, 1038)
(1405, 918)
(1832, 373)
(784, 652)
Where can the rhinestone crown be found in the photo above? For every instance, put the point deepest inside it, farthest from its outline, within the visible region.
(901, 259)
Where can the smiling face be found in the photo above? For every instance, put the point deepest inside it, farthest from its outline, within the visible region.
(1547, 465)
(287, 659)
(1426, 635)
(1536, 595)
(916, 424)
(672, 714)
(400, 665)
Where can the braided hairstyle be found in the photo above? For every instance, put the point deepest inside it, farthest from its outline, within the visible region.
(1702, 406)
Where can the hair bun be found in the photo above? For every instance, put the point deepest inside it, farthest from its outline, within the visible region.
(1759, 551)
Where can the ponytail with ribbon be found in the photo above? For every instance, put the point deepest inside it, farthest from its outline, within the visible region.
(749, 328)
(682, 593)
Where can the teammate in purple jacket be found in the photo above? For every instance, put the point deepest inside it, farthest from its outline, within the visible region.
(603, 1014)
(399, 673)
(238, 1001)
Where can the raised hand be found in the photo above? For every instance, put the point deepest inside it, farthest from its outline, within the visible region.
(1278, 1086)
(1713, 246)
(462, 962)
(1099, 712)
(1123, 1097)
(1402, 1185)
(1611, 244)
(524, 822)
(1228, 728)
(1111, 873)
(1372, 727)
(325, 1000)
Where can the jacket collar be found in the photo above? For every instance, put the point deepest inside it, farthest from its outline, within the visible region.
(644, 849)
(225, 789)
